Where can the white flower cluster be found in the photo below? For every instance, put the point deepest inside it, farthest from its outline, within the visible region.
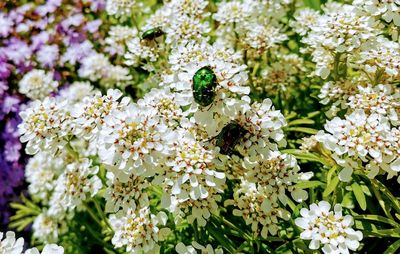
(328, 228)
(97, 67)
(117, 38)
(264, 187)
(138, 230)
(37, 84)
(369, 138)
(10, 245)
(343, 29)
(254, 21)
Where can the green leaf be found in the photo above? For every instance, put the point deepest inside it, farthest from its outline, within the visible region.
(359, 194)
(377, 218)
(314, 4)
(393, 248)
(331, 186)
(371, 230)
(348, 200)
(301, 121)
(382, 188)
(308, 184)
(303, 155)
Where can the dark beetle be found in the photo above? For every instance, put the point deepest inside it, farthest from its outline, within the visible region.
(151, 34)
(229, 137)
(204, 83)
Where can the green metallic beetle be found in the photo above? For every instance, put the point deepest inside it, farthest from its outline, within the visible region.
(229, 137)
(204, 83)
(151, 34)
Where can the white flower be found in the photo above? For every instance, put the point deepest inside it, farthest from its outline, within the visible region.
(185, 28)
(257, 209)
(37, 84)
(41, 173)
(342, 30)
(141, 49)
(125, 195)
(237, 10)
(48, 228)
(385, 56)
(10, 245)
(116, 76)
(381, 99)
(190, 182)
(365, 137)
(328, 228)
(76, 185)
(197, 248)
(168, 105)
(94, 67)
(117, 38)
(132, 141)
(263, 37)
(263, 124)
(120, 7)
(337, 93)
(48, 249)
(275, 175)
(138, 231)
(304, 20)
(90, 114)
(45, 125)
(389, 10)
(77, 91)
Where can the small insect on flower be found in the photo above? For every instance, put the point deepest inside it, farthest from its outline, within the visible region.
(204, 83)
(229, 137)
(152, 33)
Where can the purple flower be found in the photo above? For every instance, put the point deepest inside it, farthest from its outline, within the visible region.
(6, 25)
(18, 51)
(39, 40)
(93, 26)
(50, 7)
(10, 104)
(76, 52)
(97, 5)
(48, 55)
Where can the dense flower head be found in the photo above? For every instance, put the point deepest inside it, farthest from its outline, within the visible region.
(76, 184)
(328, 228)
(46, 125)
(366, 137)
(257, 209)
(124, 195)
(341, 30)
(138, 231)
(37, 84)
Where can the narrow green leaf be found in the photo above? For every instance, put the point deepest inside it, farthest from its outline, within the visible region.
(359, 194)
(331, 186)
(393, 248)
(303, 155)
(382, 188)
(377, 218)
(301, 121)
(308, 184)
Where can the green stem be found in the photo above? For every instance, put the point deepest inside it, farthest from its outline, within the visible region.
(92, 214)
